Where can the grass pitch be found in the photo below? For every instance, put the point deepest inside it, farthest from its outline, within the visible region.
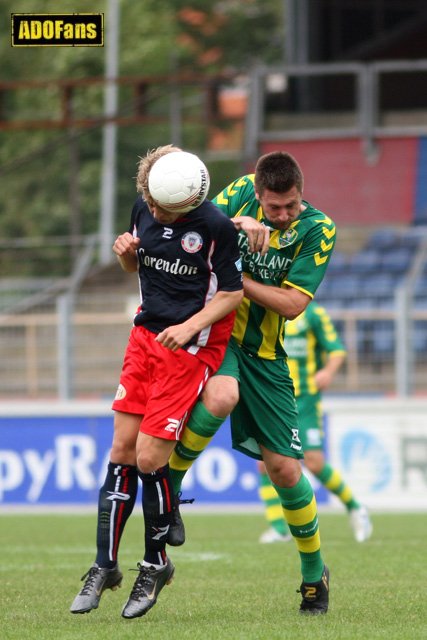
(226, 586)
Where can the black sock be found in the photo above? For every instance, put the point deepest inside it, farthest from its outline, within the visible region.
(116, 501)
(157, 504)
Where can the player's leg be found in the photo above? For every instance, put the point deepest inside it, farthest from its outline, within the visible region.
(176, 383)
(217, 401)
(156, 569)
(115, 504)
(300, 511)
(265, 422)
(218, 398)
(311, 435)
(278, 530)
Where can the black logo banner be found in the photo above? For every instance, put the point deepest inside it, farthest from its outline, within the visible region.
(57, 30)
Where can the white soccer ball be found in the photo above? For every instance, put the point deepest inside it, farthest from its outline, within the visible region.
(179, 182)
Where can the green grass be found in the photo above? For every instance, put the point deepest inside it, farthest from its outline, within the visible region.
(226, 584)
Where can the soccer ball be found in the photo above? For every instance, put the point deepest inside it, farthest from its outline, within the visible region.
(178, 182)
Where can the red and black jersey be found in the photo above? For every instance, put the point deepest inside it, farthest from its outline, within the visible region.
(183, 265)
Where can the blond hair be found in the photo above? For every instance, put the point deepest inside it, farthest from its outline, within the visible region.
(144, 168)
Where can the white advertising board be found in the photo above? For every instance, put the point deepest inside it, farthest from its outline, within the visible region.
(380, 446)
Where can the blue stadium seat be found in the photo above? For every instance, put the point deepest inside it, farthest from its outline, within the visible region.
(420, 302)
(383, 239)
(421, 285)
(364, 336)
(383, 338)
(380, 285)
(412, 237)
(338, 262)
(365, 261)
(343, 285)
(419, 337)
(396, 261)
(360, 303)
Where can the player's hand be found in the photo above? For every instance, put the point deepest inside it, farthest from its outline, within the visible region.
(175, 337)
(323, 379)
(125, 244)
(257, 233)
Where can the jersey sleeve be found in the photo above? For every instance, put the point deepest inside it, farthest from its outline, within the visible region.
(327, 336)
(134, 215)
(226, 262)
(312, 258)
(233, 199)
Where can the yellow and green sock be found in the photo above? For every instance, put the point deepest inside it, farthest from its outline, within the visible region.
(198, 432)
(300, 511)
(272, 504)
(334, 482)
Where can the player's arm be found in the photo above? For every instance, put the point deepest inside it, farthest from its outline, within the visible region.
(232, 201)
(326, 374)
(288, 302)
(330, 344)
(125, 248)
(222, 303)
(257, 233)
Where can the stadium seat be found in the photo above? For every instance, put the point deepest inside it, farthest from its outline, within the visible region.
(383, 240)
(396, 261)
(359, 303)
(365, 261)
(383, 338)
(419, 337)
(343, 285)
(381, 285)
(420, 302)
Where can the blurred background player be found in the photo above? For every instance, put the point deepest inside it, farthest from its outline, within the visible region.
(315, 354)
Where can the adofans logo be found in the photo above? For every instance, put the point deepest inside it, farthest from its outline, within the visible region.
(57, 30)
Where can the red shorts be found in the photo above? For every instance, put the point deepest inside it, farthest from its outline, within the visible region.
(159, 384)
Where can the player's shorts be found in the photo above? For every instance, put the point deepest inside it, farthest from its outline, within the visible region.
(310, 419)
(159, 384)
(266, 412)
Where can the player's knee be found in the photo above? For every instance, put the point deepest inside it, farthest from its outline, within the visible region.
(285, 473)
(314, 461)
(123, 450)
(221, 395)
(148, 462)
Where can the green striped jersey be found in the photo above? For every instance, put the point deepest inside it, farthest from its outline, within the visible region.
(310, 339)
(297, 257)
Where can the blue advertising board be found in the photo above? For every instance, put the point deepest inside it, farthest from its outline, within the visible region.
(61, 460)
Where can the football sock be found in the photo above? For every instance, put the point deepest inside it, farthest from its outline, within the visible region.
(300, 510)
(157, 504)
(115, 504)
(272, 504)
(333, 481)
(198, 432)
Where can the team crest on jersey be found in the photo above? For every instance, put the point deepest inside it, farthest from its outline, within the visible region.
(288, 237)
(191, 242)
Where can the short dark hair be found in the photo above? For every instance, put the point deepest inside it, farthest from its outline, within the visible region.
(278, 171)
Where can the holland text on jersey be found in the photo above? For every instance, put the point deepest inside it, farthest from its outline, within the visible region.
(268, 265)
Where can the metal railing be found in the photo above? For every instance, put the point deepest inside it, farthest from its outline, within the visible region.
(306, 86)
(36, 361)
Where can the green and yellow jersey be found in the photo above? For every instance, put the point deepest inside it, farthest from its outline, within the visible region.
(309, 339)
(298, 257)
